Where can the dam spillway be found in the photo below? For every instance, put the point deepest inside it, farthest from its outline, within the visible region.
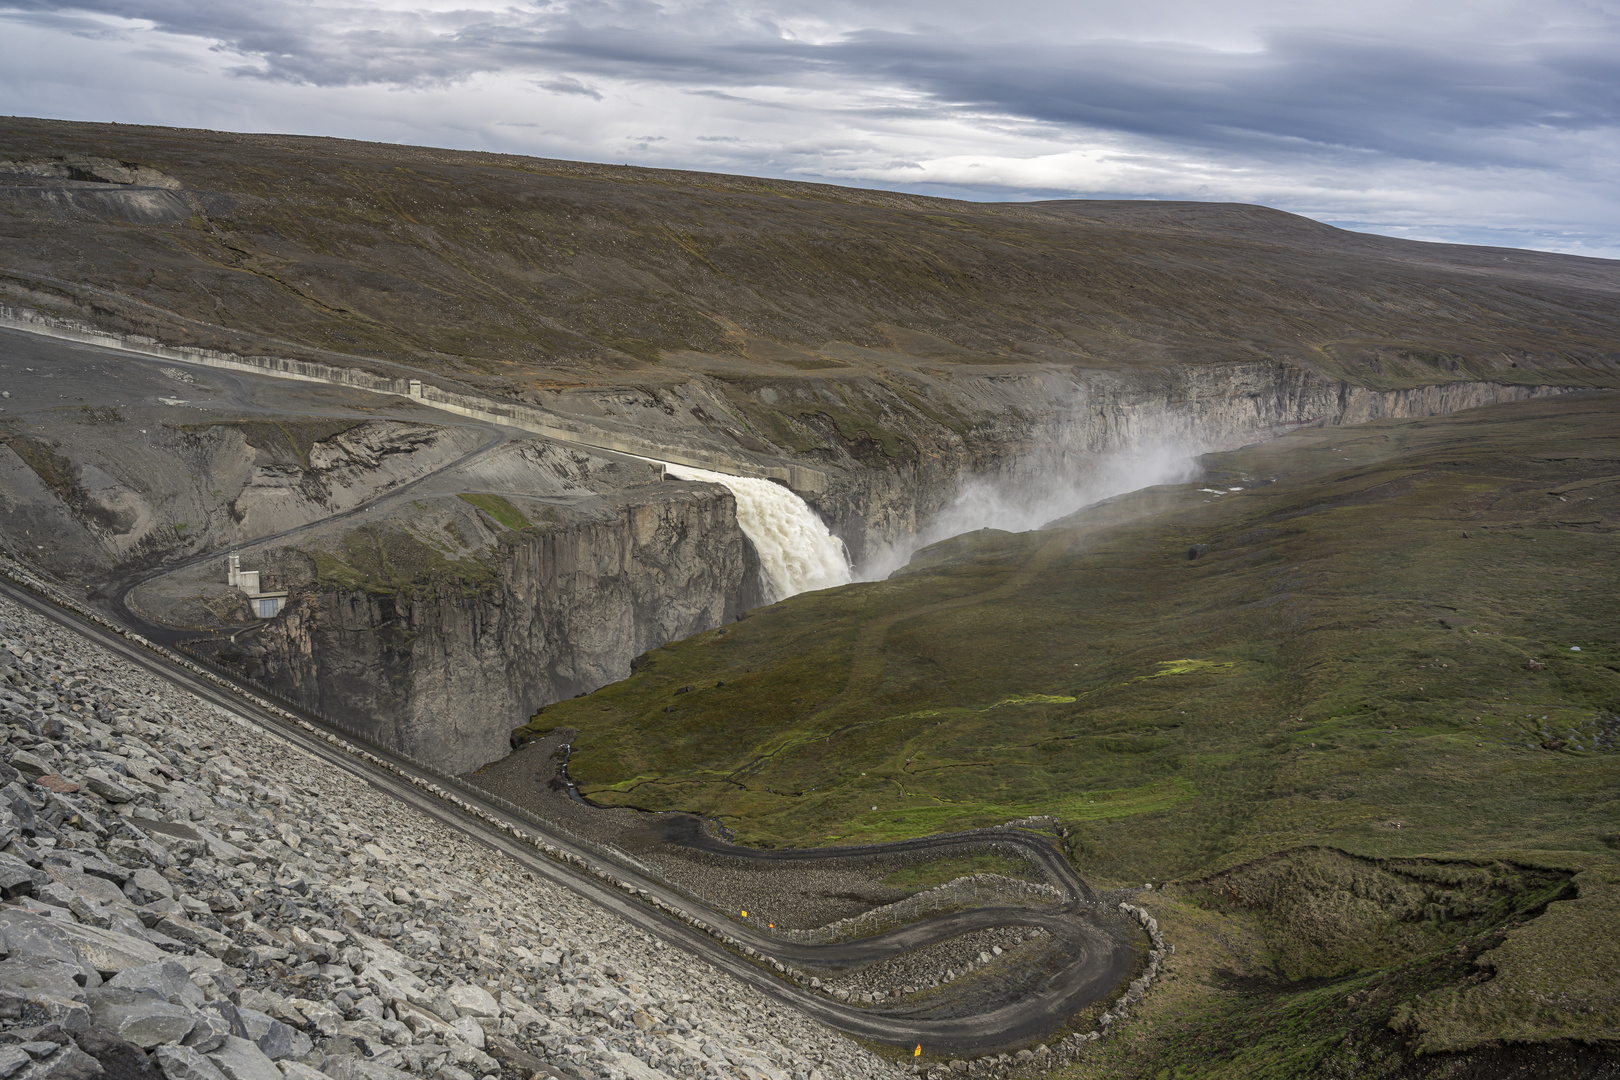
(797, 552)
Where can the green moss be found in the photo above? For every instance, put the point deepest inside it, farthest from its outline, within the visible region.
(1314, 626)
(288, 440)
(387, 561)
(862, 433)
(54, 471)
(1312, 962)
(1371, 654)
(497, 508)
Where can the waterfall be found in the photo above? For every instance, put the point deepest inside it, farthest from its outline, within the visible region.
(796, 550)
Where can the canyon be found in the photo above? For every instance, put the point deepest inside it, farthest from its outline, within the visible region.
(529, 448)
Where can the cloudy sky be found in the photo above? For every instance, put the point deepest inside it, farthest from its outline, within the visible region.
(1481, 121)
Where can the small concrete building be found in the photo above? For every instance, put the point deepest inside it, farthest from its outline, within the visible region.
(265, 605)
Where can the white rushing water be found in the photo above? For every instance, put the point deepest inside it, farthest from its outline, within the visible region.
(796, 550)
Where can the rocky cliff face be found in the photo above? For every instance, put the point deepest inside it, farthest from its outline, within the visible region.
(897, 455)
(1053, 446)
(443, 672)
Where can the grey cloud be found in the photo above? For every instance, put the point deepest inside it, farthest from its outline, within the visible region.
(1307, 96)
(76, 25)
(1302, 93)
(563, 84)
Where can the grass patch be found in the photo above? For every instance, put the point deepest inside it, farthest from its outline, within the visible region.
(386, 561)
(1392, 945)
(497, 508)
(54, 471)
(283, 440)
(1371, 654)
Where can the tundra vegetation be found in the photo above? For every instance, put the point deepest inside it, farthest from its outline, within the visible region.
(1350, 701)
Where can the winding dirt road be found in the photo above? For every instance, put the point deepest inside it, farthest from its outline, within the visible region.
(1102, 952)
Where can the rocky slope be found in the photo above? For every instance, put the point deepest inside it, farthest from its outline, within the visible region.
(189, 897)
(108, 466)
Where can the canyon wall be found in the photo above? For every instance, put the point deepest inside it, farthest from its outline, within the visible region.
(443, 672)
(891, 456)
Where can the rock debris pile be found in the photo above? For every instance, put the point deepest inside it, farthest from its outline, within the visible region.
(930, 967)
(187, 897)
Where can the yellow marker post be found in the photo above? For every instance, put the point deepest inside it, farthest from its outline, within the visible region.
(745, 914)
(917, 1052)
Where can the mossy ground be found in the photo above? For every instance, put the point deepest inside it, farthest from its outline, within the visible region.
(497, 508)
(388, 560)
(286, 440)
(1373, 651)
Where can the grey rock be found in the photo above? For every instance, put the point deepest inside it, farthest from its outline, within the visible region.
(29, 765)
(297, 1043)
(276, 1039)
(210, 1033)
(26, 976)
(89, 912)
(342, 1046)
(168, 978)
(133, 853)
(473, 1035)
(12, 1058)
(228, 1012)
(158, 910)
(351, 1068)
(512, 1055)
(140, 1016)
(14, 797)
(109, 871)
(297, 1070)
(192, 934)
(101, 782)
(70, 1063)
(327, 1020)
(443, 1006)
(92, 887)
(473, 1001)
(172, 836)
(151, 882)
(103, 951)
(219, 849)
(184, 1063)
(56, 894)
(240, 1059)
(72, 1016)
(17, 878)
(120, 1059)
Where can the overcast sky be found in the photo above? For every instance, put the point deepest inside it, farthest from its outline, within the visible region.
(1481, 121)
